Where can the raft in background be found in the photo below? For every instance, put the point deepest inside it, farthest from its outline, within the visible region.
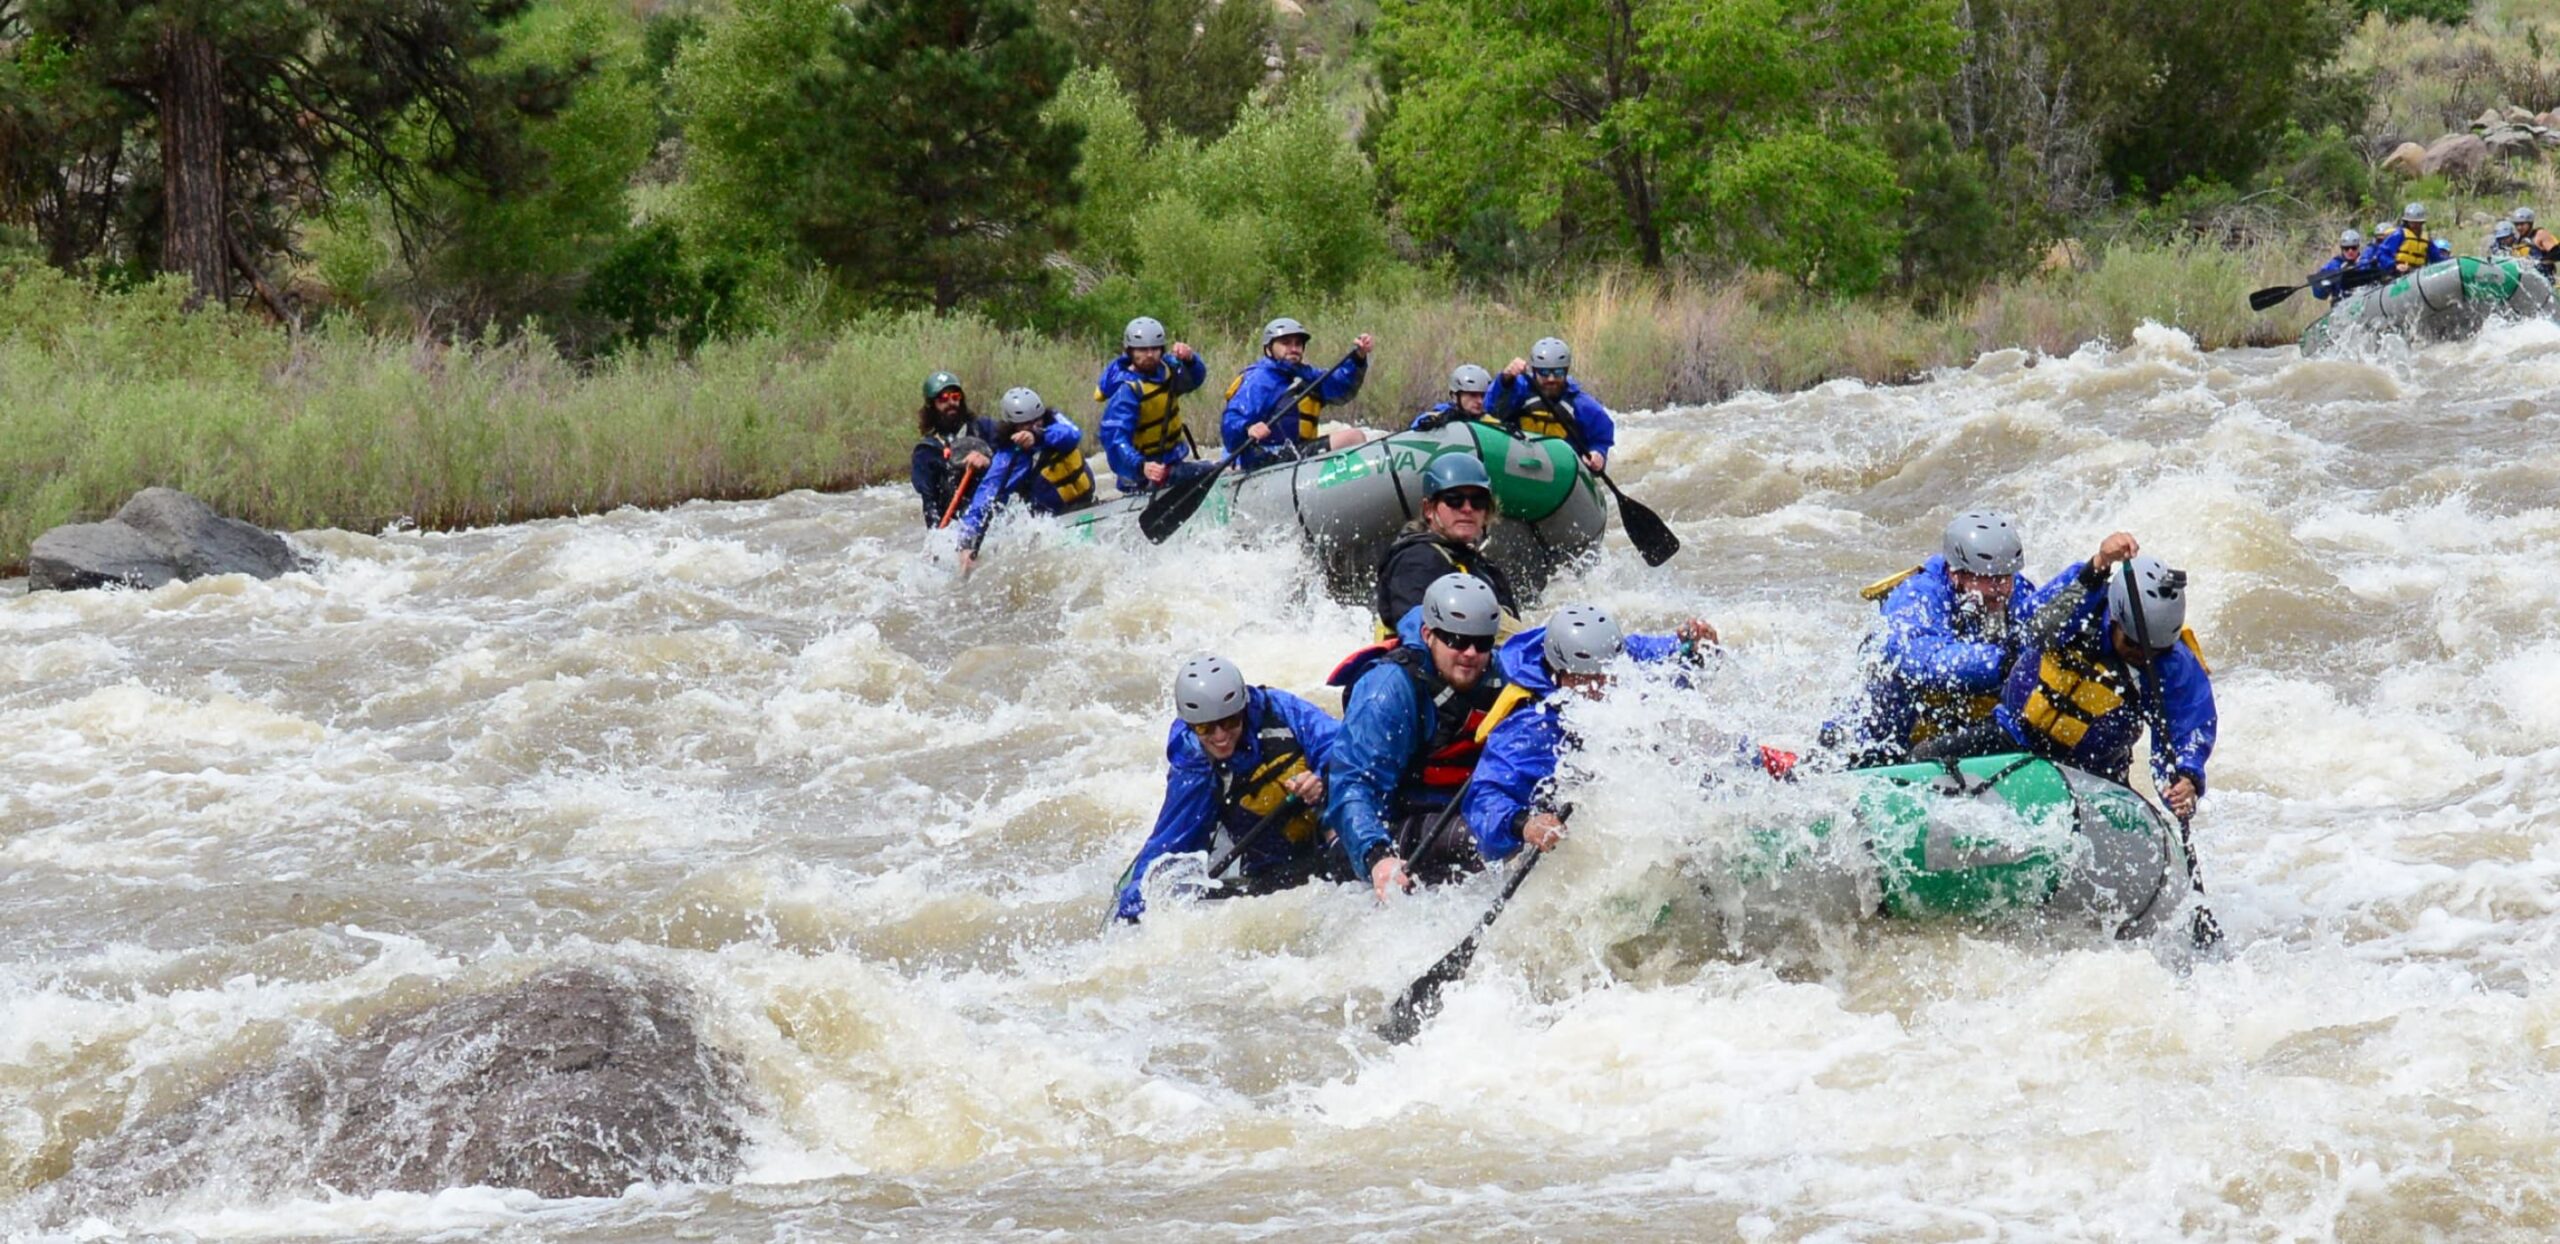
(1350, 503)
(1995, 836)
(2443, 301)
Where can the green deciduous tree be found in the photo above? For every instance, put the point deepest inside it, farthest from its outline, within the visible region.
(1607, 121)
(1187, 64)
(183, 135)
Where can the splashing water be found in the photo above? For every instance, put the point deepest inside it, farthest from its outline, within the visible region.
(868, 818)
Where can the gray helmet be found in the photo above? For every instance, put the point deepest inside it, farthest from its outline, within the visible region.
(1983, 542)
(1021, 405)
(2381, 229)
(1282, 327)
(2415, 213)
(1550, 352)
(2523, 217)
(1143, 331)
(1469, 378)
(1582, 640)
(2350, 238)
(2154, 616)
(1208, 689)
(938, 382)
(1454, 471)
(2502, 229)
(1461, 604)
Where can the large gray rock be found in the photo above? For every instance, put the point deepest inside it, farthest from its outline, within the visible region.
(2511, 142)
(575, 1082)
(159, 536)
(2457, 155)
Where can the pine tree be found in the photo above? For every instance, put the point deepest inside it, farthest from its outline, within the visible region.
(183, 135)
(928, 175)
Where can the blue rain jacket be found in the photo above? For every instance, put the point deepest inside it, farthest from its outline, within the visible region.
(1445, 412)
(1257, 391)
(2176, 693)
(2328, 290)
(2384, 252)
(1190, 815)
(1926, 658)
(1120, 412)
(1520, 754)
(1014, 475)
(1383, 725)
(1516, 397)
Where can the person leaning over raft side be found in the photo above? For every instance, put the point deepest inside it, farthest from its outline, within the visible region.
(1536, 396)
(1511, 801)
(1467, 386)
(1457, 509)
(1141, 394)
(2502, 243)
(1039, 462)
(951, 440)
(1411, 733)
(2104, 658)
(2350, 251)
(1946, 632)
(1254, 429)
(1235, 755)
(2407, 247)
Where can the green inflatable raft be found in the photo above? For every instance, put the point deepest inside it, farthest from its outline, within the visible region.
(1349, 503)
(2440, 302)
(1991, 837)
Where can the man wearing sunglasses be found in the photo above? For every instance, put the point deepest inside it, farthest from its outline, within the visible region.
(1239, 755)
(1548, 403)
(1457, 509)
(1945, 635)
(2106, 656)
(1411, 734)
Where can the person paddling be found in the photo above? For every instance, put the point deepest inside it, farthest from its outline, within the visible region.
(1946, 632)
(1141, 392)
(1537, 396)
(1244, 764)
(2330, 282)
(1468, 385)
(2408, 247)
(1457, 510)
(2536, 241)
(1512, 802)
(1411, 734)
(1255, 431)
(1039, 463)
(954, 444)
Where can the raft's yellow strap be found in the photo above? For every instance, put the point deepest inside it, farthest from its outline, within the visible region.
(2187, 636)
(1882, 588)
(1511, 698)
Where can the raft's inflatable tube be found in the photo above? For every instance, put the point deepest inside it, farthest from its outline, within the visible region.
(1349, 503)
(1992, 836)
(2440, 302)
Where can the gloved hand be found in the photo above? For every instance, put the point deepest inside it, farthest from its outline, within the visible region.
(1430, 423)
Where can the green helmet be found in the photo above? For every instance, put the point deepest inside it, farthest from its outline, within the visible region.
(940, 382)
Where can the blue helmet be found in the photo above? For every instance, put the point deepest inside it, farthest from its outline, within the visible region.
(1454, 471)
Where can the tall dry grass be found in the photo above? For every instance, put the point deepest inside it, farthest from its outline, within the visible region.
(102, 394)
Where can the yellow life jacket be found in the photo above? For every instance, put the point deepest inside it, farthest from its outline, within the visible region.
(2413, 250)
(2072, 693)
(1308, 408)
(1066, 471)
(1159, 415)
(1532, 419)
(1941, 712)
(1266, 787)
(1512, 698)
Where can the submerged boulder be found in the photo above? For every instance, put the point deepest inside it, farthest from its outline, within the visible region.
(576, 1082)
(160, 536)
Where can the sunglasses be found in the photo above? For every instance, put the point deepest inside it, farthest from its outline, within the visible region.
(1547, 373)
(1464, 643)
(953, 395)
(1466, 499)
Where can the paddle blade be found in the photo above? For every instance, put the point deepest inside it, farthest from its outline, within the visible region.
(1421, 999)
(1651, 536)
(2272, 295)
(1174, 506)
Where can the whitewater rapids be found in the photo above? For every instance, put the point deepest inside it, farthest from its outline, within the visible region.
(868, 818)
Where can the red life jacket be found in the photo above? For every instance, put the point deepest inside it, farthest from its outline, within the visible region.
(1448, 753)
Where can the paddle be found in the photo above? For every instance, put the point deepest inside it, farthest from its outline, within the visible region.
(1421, 999)
(1218, 863)
(957, 492)
(1174, 505)
(2348, 278)
(2202, 928)
(1651, 536)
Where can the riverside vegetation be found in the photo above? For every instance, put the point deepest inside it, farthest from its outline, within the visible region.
(614, 254)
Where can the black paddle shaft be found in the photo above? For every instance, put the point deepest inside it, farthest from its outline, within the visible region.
(1653, 538)
(1421, 999)
(2203, 930)
(1174, 506)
